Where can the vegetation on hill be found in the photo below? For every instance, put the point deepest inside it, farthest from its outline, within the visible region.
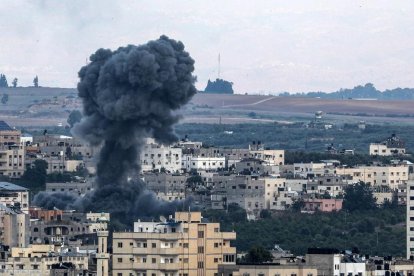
(367, 91)
(296, 137)
(219, 86)
(374, 232)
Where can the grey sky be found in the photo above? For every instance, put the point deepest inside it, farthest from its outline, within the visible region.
(265, 46)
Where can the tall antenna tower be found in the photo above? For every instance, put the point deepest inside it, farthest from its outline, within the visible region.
(218, 66)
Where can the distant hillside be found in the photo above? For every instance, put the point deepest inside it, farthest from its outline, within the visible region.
(219, 86)
(368, 91)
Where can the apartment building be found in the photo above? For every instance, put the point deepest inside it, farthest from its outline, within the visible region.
(14, 196)
(190, 162)
(184, 245)
(271, 157)
(157, 157)
(255, 166)
(247, 191)
(334, 185)
(42, 261)
(75, 188)
(69, 226)
(8, 135)
(390, 176)
(14, 227)
(308, 170)
(392, 146)
(12, 160)
(168, 187)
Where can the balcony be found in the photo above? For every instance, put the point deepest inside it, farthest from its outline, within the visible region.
(146, 266)
(222, 235)
(156, 251)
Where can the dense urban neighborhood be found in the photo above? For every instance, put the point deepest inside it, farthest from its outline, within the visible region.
(227, 188)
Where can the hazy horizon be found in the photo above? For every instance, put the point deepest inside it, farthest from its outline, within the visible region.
(265, 47)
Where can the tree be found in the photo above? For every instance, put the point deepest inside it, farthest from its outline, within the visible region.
(258, 255)
(36, 82)
(14, 82)
(5, 99)
(74, 117)
(297, 205)
(359, 197)
(3, 81)
(34, 177)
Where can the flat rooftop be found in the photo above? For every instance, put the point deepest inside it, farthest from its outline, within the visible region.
(11, 187)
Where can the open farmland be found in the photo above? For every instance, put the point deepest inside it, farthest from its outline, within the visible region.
(51, 106)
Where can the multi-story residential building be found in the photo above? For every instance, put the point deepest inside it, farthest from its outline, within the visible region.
(168, 187)
(391, 146)
(308, 170)
(14, 227)
(76, 188)
(12, 160)
(184, 245)
(190, 162)
(14, 196)
(8, 135)
(43, 261)
(247, 191)
(390, 176)
(255, 166)
(330, 262)
(271, 157)
(410, 218)
(159, 157)
(334, 185)
(69, 226)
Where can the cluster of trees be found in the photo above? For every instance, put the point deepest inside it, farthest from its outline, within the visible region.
(4, 83)
(379, 231)
(361, 91)
(219, 86)
(296, 137)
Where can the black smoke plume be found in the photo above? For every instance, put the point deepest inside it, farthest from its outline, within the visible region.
(129, 94)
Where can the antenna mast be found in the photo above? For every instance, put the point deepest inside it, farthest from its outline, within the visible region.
(218, 66)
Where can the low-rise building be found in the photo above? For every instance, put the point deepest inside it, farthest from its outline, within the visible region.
(393, 145)
(159, 157)
(322, 205)
(14, 196)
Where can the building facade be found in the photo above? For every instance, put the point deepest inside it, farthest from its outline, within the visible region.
(184, 246)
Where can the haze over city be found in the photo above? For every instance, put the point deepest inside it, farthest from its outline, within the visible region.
(265, 46)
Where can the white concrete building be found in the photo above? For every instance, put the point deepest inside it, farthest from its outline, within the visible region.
(14, 196)
(156, 157)
(391, 146)
(308, 170)
(190, 162)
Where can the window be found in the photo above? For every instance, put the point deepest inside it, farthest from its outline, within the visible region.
(216, 245)
(119, 244)
(200, 250)
(200, 234)
(153, 245)
(144, 260)
(216, 261)
(200, 265)
(153, 260)
(185, 245)
(229, 258)
(119, 260)
(216, 229)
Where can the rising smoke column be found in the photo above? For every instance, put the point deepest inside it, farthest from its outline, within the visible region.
(127, 95)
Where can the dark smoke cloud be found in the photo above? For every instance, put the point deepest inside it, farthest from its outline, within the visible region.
(127, 95)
